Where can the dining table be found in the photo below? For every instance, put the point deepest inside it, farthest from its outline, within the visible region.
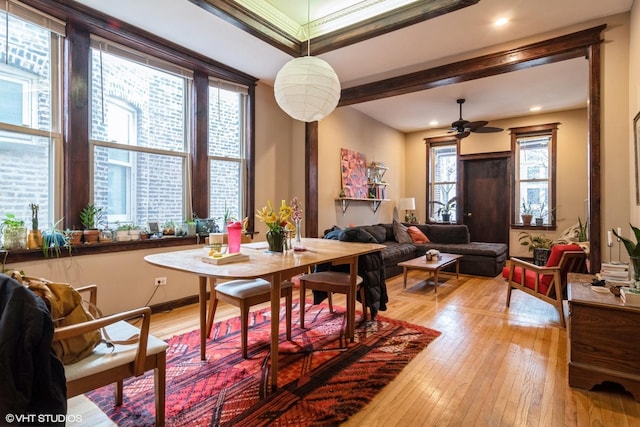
(275, 267)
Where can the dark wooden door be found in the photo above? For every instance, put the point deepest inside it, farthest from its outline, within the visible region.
(486, 199)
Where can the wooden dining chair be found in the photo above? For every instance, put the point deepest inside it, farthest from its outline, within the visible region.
(330, 282)
(547, 282)
(107, 365)
(245, 294)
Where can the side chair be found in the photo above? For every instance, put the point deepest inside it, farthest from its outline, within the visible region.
(106, 365)
(548, 282)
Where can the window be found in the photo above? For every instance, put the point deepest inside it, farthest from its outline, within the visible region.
(30, 46)
(139, 135)
(533, 149)
(227, 141)
(443, 172)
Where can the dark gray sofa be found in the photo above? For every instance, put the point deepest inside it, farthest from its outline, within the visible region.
(479, 258)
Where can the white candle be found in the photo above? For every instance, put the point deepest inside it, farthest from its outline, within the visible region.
(619, 233)
(609, 238)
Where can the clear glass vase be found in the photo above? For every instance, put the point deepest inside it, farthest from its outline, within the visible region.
(298, 240)
(635, 262)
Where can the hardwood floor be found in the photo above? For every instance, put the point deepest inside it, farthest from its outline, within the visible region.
(492, 366)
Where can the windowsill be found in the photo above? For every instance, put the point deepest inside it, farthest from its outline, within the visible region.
(543, 227)
(23, 255)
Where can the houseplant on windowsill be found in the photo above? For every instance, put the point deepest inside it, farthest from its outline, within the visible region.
(14, 232)
(91, 217)
(633, 250)
(526, 213)
(445, 209)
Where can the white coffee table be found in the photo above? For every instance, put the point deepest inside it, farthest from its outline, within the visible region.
(434, 266)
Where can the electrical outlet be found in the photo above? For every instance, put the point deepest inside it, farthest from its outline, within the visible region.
(160, 281)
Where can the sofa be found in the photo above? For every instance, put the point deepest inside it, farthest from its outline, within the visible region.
(479, 258)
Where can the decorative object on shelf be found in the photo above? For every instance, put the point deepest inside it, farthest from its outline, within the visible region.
(91, 217)
(377, 186)
(307, 88)
(277, 223)
(353, 170)
(633, 250)
(408, 205)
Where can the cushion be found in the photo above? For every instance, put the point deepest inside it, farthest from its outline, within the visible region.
(400, 233)
(557, 251)
(377, 231)
(416, 235)
(357, 234)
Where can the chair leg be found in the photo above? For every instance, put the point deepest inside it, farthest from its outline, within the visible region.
(289, 302)
(244, 328)
(330, 299)
(303, 304)
(213, 305)
(118, 392)
(159, 376)
(560, 308)
(364, 304)
(509, 289)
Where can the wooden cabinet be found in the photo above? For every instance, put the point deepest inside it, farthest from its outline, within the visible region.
(604, 338)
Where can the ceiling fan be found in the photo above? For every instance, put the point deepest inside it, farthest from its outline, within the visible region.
(463, 128)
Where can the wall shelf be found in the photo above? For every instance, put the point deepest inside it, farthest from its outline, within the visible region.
(345, 201)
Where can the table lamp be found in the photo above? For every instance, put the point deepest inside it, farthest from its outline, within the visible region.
(408, 204)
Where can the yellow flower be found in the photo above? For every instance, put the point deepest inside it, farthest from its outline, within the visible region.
(276, 221)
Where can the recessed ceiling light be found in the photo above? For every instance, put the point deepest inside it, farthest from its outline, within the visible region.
(433, 123)
(500, 22)
(535, 108)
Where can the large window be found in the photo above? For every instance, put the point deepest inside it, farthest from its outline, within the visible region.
(443, 172)
(226, 149)
(30, 45)
(139, 136)
(534, 154)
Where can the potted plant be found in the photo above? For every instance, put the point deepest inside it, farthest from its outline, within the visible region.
(582, 231)
(633, 250)
(91, 218)
(538, 244)
(34, 240)
(14, 232)
(53, 240)
(445, 209)
(526, 213)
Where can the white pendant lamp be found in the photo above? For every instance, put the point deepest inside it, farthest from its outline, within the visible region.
(307, 88)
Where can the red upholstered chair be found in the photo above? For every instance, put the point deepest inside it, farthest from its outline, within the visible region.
(547, 282)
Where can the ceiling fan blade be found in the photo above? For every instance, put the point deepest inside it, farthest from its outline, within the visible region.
(472, 126)
(487, 129)
(463, 134)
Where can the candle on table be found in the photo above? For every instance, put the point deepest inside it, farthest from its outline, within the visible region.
(609, 238)
(619, 233)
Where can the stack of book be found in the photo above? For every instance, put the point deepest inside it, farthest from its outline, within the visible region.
(615, 272)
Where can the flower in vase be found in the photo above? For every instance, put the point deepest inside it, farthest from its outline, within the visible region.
(279, 221)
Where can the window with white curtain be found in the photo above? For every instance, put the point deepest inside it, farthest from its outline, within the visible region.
(443, 174)
(30, 121)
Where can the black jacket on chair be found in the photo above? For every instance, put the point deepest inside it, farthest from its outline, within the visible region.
(32, 379)
(370, 268)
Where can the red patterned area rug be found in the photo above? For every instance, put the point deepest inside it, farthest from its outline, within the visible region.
(323, 378)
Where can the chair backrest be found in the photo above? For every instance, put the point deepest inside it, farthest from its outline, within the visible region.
(556, 253)
(566, 264)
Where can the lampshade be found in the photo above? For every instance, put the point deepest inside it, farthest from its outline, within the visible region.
(407, 204)
(307, 88)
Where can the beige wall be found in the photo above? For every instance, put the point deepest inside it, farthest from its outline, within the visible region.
(126, 281)
(634, 107)
(348, 128)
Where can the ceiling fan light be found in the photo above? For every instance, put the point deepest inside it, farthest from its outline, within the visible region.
(307, 88)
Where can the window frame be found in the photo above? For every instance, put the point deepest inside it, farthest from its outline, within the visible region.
(439, 142)
(550, 130)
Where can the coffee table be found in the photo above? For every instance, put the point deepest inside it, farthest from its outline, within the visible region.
(434, 266)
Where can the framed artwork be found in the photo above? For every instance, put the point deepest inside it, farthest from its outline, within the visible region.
(636, 143)
(354, 174)
(154, 228)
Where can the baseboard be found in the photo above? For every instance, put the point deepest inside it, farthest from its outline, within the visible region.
(176, 303)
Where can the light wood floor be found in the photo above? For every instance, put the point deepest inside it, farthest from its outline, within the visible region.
(492, 366)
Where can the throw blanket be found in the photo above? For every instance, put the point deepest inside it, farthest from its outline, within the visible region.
(370, 268)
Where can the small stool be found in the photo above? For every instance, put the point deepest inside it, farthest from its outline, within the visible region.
(330, 282)
(244, 294)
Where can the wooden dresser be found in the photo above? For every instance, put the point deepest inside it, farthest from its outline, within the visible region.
(604, 338)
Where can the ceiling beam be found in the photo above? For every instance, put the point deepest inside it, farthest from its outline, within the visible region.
(549, 51)
(259, 27)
